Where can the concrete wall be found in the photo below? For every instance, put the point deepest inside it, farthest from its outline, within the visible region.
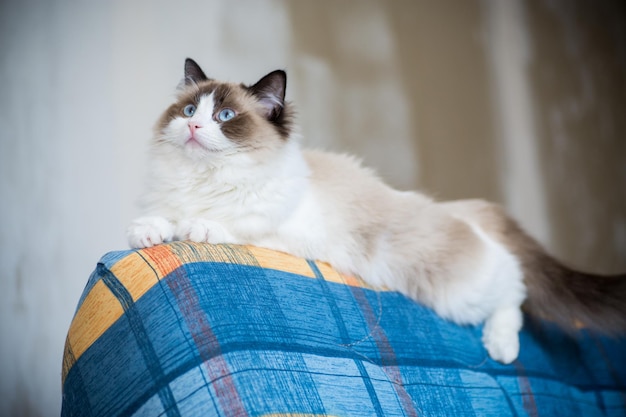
(521, 102)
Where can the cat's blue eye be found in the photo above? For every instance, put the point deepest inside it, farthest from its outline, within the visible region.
(189, 110)
(225, 115)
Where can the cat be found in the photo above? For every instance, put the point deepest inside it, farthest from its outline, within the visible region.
(227, 167)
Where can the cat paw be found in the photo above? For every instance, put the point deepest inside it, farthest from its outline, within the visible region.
(146, 232)
(202, 230)
(502, 346)
(501, 334)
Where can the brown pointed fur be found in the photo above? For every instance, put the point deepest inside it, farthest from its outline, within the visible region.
(556, 292)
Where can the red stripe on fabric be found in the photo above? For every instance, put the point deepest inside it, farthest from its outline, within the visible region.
(610, 366)
(163, 260)
(388, 356)
(528, 398)
(198, 324)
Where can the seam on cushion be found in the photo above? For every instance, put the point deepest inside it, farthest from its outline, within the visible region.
(345, 339)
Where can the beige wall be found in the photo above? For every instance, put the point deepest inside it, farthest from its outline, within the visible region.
(439, 54)
(434, 52)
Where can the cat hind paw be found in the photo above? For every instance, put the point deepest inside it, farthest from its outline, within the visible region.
(502, 347)
(501, 334)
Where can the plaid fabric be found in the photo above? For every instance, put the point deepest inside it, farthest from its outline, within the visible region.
(216, 330)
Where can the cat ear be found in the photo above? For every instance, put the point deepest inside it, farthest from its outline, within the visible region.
(193, 72)
(270, 91)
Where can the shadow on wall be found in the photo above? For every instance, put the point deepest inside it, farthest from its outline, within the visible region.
(578, 80)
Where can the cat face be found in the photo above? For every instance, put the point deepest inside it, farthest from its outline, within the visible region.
(212, 117)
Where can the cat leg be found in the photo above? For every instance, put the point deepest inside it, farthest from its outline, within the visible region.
(501, 334)
(203, 230)
(506, 289)
(149, 231)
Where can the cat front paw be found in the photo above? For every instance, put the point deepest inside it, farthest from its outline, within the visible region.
(149, 231)
(203, 231)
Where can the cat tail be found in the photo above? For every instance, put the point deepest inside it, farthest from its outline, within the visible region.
(574, 299)
(555, 292)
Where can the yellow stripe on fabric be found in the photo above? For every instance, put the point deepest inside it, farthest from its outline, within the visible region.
(330, 274)
(281, 261)
(354, 281)
(98, 311)
(165, 258)
(132, 272)
(222, 253)
(68, 360)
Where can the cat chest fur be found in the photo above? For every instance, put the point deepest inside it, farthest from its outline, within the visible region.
(248, 196)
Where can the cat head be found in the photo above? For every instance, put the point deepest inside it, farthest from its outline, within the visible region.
(210, 117)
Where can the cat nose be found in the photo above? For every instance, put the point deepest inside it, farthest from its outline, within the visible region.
(193, 126)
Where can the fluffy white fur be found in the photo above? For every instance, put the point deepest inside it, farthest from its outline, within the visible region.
(206, 188)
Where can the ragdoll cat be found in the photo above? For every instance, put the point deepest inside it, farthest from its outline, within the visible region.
(226, 168)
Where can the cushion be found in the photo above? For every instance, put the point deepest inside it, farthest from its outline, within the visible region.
(187, 329)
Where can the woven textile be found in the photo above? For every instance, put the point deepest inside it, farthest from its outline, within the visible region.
(189, 329)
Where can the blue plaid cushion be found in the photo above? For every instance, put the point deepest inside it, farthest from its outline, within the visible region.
(216, 330)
